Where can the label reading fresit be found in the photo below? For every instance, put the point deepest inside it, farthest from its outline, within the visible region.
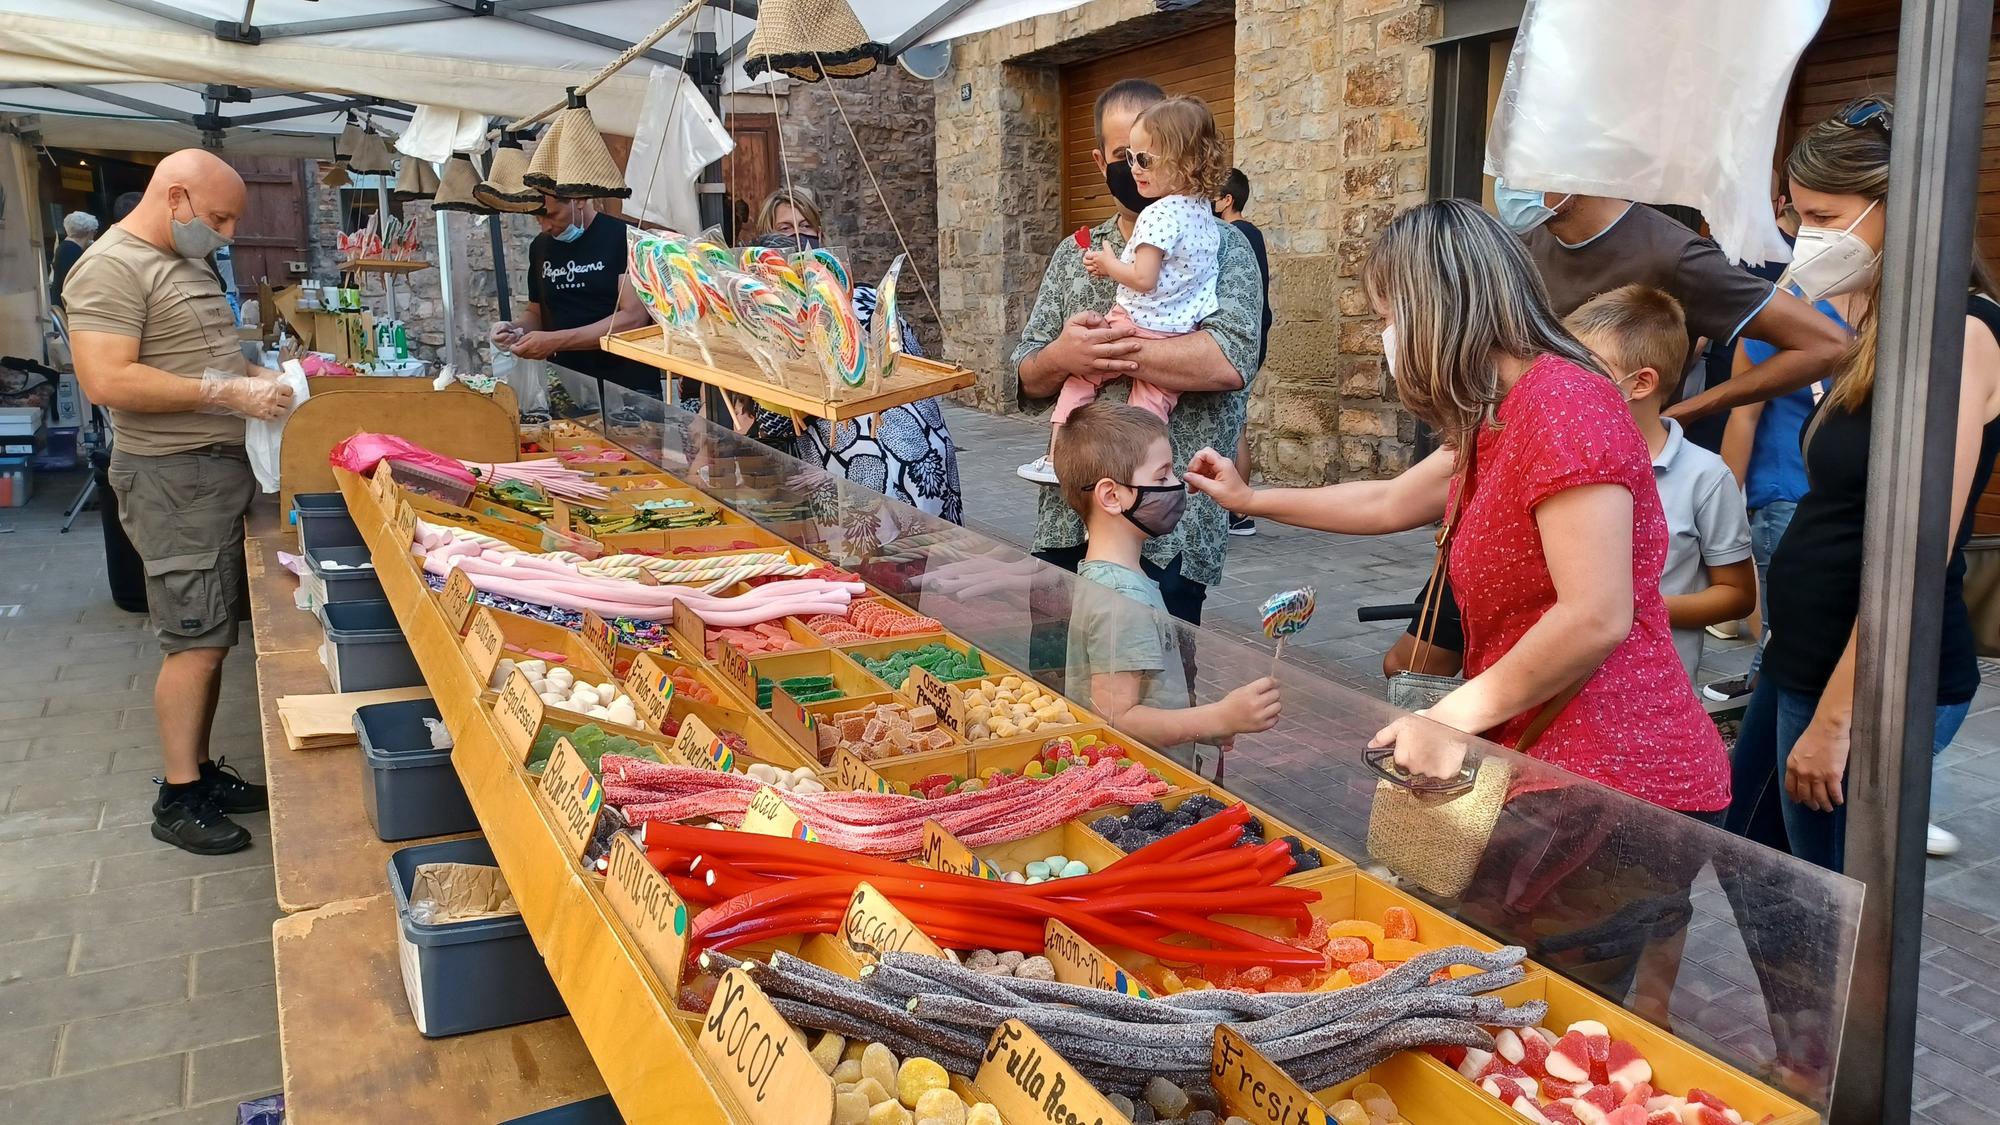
(944, 852)
(483, 645)
(1252, 1087)
(769, 815)
(643, 900)
(873, 926)
(854, 775)
(652, 690)
(570, 790)
(458, 600)
(761, 1059)
(599, 638)
(698, 746)
(518, 713)
(1029, 1082)
(1079, 962)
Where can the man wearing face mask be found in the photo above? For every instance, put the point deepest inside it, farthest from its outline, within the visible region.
(155, 343)
(1066, 335)
(577, 295)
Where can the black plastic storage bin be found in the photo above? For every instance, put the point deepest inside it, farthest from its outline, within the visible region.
(352, 581)
(600, 1110)
(410, 790)
(365, 648)
(467, 976)
(323, 521)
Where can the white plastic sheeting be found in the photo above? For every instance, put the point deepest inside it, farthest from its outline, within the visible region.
(1670, 101)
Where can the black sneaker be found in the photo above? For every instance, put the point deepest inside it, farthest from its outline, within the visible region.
(1242, 525)
(1722, 691)
(192, 822)
(233, 794)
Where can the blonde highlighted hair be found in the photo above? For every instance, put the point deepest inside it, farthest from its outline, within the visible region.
(1461, 290)
(1184, 137)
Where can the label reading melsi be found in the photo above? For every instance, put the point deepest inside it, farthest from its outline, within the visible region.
(873, 926)
(519, 715)
(650, 909)
(1252, 1087)
(458, 600)
(945, 852)
(929, 691)
(483, 644)
(698, 746)
(574, 795)
(854, 775)
(384, 481)
(1079, 962)
(1029, 1082)
(406, 524)
(652, 690)
(599, 638)
(736, 667)
(769, 815)
(762, 1061)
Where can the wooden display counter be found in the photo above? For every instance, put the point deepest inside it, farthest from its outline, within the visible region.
(804, 390)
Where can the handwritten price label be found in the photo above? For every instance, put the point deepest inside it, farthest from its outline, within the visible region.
(384, 481)
(458, 600)
(1027, 1081)
(569, 788)
(600, 639)
(519, 715)
(873, 926)
(760, 1058)
(736, 667)
(855, 775)
(483, 644)
(769, 815)
(1079, 962)
(944, 852)
(652, 690)
(643, 900)
(929, 691)
(1251, 1086)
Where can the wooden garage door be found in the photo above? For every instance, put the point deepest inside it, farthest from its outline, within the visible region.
(271, 234)
(1202, 63)
(1855, 55)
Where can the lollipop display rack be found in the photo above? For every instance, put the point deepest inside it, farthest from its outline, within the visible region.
(803, 389)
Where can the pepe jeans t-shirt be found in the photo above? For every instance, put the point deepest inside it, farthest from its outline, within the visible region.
(576, 283)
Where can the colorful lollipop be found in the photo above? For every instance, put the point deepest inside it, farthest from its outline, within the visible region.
(1286, 613)
(885, 335)
(836, 333)
(776, 269)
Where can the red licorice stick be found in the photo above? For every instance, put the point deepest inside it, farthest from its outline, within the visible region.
(805, 920)
(1189, 922)
(1198, 836)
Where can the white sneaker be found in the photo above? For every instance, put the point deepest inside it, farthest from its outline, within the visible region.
(1726, 631)
(1941, 843)
(1041, 470)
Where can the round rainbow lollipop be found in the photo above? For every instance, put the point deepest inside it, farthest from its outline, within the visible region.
(1286, 613)
(828, 259)
(836, 333)
(775, 269)
(885, 332)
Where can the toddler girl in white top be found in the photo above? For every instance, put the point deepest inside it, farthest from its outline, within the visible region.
(1166, 274)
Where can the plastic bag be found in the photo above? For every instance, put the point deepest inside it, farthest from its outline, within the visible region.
(362, 452)
(264, 440)
(678, 135)
(1666, 103)
(531, 385)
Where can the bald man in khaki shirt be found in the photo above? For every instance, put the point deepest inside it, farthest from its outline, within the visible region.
(155, 343)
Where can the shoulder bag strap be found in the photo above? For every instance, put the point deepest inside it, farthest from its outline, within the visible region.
(1434, 589)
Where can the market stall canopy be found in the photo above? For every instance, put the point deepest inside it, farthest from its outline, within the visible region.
(110, 60)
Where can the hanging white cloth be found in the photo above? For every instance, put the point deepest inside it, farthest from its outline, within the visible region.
(1671, 101)
(436, 132)
(678, 136)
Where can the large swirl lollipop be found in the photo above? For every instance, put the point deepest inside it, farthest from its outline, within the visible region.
(836, 333)
(1286, 613)
(776, 270)
(765, 313)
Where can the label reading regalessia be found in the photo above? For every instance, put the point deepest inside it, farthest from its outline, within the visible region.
(484, 643)
(769, 815)
(1079, 962)
(1252, 1087)
(944, 852)
(1029, 1082)
(929, 691)
(873, 926)
(599, 638)
(458, 600)
(570, 790)
(762, 1061)
(854, 775)
(519, 715)
(652, 690)
(643, 900)
(698, 746)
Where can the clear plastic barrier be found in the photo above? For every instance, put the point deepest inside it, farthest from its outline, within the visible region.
(1738, 949)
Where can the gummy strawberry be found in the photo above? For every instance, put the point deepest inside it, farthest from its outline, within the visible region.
(1603, 1097)
(1569, 1059)
(1556, 1088)
(1626, 1115)
(1697, 1094)
(1639, 1095)
(1556, 1113)
(1504, 1088)
(1662, 1117)
(1625, 1067)
(1473, 1064)
(1534, 1053)
(1398, 922)
(1448, 1054)
(1695, 1113)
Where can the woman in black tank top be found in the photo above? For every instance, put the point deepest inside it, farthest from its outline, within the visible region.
(1790, 761)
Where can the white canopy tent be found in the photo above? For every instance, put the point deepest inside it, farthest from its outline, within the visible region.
(276, 77)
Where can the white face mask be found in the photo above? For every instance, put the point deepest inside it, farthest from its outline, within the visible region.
(1828, 262)
(1389, 348)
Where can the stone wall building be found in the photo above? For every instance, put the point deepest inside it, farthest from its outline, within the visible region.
(1332, 126)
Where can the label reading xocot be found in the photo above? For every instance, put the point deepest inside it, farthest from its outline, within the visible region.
(761, 1059)
(1029, 1082)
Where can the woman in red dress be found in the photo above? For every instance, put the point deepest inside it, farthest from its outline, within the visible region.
(1557, 561)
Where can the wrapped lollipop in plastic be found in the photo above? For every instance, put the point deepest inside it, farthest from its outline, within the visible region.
(885, 332)
(761, 320)
(1286, 613)
(664, 278)
(837, 340)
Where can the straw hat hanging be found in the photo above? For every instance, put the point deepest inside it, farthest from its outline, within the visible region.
(503, 189)
(454, 191)
(350, 137)
(810, 40)
(415, 179)
(370, 156)
(335, 175)
(572, 161)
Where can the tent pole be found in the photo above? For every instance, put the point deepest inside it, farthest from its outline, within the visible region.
(388, 279)
(447, 285)
(706, 70)
(1934, 156)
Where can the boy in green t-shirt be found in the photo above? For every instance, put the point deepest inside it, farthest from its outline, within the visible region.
(1116, 466)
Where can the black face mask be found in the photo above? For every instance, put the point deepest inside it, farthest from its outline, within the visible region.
(779, 240)
(1158, 509)
(1118, 177)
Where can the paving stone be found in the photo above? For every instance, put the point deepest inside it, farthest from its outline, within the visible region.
(57, 999)
(167, 1028)
(235, 968)
(134, 1090)
(43, 771)
(251, 884)
(58, 880)
(27, 1055)
(238, 1071)
(49, 746)
(93, 912)
(36, 959)
(105, 946)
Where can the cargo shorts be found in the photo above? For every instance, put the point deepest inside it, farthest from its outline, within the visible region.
(184, 514)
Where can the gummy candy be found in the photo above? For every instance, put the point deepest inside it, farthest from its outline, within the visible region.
(1347, 950)
(1399, 922)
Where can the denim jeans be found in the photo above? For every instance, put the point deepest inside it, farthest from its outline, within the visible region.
(1760, 808)
(1767, 526)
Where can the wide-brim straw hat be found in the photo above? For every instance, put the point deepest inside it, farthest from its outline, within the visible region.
(336, 175)
(810, 40)
(503, 189)
(415, 179)
(572, 161)
(454, 191)
(371, 157)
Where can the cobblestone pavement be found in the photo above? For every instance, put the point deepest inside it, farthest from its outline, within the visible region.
(1958, 1061)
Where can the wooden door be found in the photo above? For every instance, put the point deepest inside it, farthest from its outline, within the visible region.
(751, 171)
(271, 234)
(1202, 63)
